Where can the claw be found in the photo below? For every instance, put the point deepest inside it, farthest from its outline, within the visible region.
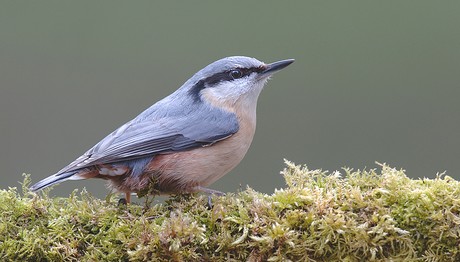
(122, 201)
(210, 205)
(210, 192)
(125, 201)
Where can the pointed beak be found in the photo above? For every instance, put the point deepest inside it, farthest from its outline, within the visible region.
(276, 66)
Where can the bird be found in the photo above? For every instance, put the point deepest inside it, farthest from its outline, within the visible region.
(184, 142)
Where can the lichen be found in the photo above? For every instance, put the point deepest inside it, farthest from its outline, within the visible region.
(351, 215)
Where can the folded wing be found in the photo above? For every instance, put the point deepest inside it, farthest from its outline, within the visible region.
(142, 138)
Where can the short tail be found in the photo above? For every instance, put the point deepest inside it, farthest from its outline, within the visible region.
(52, 180)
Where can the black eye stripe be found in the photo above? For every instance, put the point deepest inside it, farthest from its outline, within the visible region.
(219, 77)
(227, 76)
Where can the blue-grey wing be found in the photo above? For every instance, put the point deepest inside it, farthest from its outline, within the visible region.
(143, 138)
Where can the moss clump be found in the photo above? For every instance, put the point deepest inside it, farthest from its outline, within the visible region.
(354, 216)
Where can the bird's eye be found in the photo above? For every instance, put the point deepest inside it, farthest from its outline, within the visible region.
(235, 74)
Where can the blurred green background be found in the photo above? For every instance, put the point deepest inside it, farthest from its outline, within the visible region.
(372, 81)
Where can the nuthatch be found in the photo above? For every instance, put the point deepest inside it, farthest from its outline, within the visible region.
(184, 142)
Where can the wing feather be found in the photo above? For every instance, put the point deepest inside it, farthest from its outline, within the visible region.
(143, 137)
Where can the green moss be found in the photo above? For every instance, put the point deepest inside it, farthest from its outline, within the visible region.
(353, 216)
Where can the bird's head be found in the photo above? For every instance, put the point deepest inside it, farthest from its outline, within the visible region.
(231, 80)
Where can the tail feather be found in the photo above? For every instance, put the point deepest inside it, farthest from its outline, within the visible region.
(136, 167)
(52, 180)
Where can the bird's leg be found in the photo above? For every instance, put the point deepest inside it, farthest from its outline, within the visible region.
(128, 197)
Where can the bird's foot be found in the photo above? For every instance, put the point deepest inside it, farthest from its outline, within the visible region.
(210, 193)
(126, 200)
(122, 202)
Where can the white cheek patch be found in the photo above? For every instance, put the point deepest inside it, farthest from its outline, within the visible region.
(230, 90)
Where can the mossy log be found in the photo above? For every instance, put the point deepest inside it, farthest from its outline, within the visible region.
(374, 215)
